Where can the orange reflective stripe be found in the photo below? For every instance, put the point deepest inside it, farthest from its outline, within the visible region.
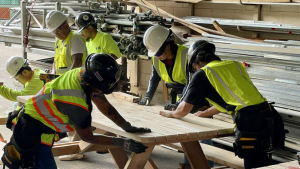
(42, 115)
(72, 104)
(69, 128)
(52, 113)
(47, 143)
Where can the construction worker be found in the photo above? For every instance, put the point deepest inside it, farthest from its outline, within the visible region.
(70, 53)
(168, 62)
(227, 85)
(70, 49)
(96, 41)
(65, 104)
(18, 68)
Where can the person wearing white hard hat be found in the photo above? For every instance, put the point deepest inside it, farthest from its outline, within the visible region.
(170, 64)
(70, 52)
(18, 68)
(70, 49)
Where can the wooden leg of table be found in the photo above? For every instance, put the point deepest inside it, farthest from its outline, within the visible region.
(119, 156)
(150, 164)
(138, 161)
(195, 155)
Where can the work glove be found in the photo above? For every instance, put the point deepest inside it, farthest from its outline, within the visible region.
(170, 106)
(145, 101)
(133, 129)
(129, 145)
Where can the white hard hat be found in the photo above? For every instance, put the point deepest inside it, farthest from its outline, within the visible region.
(154, 38)
(54, 19)
(14, 64)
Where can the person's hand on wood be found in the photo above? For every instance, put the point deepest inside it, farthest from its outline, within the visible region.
(200, 114)
(133, 129)
(167, 114)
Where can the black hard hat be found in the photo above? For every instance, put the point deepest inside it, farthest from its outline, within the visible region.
(83, 20)
(102, 72)
(198, 47)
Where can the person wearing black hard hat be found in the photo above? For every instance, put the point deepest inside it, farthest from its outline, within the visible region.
(96, 41)
(65, 104)
(227, 85)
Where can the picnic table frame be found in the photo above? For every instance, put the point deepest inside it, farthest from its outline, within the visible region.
(186, 131)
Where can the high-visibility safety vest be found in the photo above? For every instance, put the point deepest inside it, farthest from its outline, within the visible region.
(179, 69)
(232, 82)
(65, 89)
(103, 43)
(63, 58)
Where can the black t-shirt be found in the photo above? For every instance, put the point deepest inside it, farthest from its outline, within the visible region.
(78, 116)
(200, 88)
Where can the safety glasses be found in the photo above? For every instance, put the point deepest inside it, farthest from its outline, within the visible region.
(17, 76)
(160, 51)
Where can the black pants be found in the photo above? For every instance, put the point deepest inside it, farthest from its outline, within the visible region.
(254, 119)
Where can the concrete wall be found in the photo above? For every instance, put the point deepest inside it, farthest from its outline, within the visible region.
(274, 13)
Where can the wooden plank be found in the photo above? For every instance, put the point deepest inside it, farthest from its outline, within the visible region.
(210, 123)
(217, 155)
(150, 164)
(190, 25)
(119, 156)
(195, 155)
(23, 99)
(73, 148)
(165, 92)
(3, 120)
(138, 161)
(125, 96)
(141, 137)
(217, 26)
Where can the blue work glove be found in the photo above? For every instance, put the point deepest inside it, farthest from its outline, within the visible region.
(145, 101)
(133, 129)
(129, 145)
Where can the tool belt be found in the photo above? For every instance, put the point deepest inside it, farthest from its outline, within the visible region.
(12, 115)
(254, 130)
(23, 148)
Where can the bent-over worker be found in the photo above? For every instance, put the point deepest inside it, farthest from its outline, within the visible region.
(64, 105)
(227, 85)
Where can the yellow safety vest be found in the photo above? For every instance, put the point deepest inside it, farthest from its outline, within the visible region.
(103, 43)
(65, 89)
(179, 69)
(63, 58)
(232, 82)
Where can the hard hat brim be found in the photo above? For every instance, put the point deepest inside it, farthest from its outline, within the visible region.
(151, 53)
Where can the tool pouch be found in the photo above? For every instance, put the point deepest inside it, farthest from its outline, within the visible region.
(12, 115)
(11, 157)
(247, 148)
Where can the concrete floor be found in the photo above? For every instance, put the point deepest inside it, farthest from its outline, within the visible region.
(163, 158)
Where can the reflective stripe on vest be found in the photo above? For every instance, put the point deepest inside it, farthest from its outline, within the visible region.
(63, 58)
(232, 82)
(65, 89)
(44, 108)
(179, 69)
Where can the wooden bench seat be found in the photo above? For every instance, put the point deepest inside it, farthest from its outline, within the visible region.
(217, 155)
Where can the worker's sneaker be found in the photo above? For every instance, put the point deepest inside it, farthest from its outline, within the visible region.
(72, 157)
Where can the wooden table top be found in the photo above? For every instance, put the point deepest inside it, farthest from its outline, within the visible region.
(164, 130)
